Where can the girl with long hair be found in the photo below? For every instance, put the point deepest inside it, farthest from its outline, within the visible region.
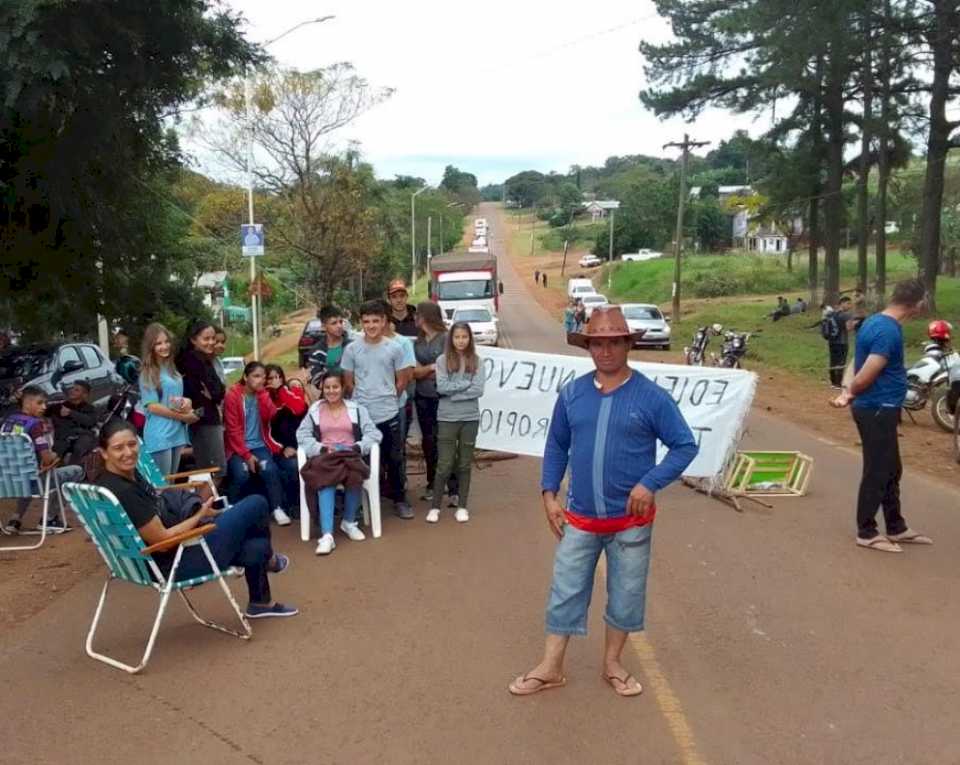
(168, 412)
(429, 345)
(203, 387)
(460, 383)
(251, 450)
(291, 402)
(336, 424)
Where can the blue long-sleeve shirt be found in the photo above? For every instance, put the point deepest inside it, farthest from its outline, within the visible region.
(610, 443)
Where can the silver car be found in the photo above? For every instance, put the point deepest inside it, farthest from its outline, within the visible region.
(648, 318)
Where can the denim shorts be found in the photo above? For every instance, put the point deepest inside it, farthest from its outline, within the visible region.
(628, 560)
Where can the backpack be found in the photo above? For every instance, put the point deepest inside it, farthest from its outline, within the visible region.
(830, 328)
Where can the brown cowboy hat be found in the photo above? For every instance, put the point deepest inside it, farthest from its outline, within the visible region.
(605, 321)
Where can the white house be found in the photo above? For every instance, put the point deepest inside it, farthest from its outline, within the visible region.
(599, 208)
(767, 237)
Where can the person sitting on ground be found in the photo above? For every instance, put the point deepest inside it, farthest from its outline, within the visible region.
(335, 425)
(291, 403)
(460, 383)
(782, 309)
(251, 451)
(799, 307)
(74, 422)
(30, 421)
(242, 536)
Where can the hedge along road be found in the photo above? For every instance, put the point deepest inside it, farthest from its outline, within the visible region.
(771, 639)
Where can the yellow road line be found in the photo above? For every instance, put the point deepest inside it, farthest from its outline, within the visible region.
(663, 692)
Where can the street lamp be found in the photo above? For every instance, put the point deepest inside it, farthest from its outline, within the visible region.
(413, 237)
(248, 106)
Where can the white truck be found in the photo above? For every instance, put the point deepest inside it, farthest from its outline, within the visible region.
(461, 279)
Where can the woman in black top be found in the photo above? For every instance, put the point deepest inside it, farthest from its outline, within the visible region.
(202, 385)
(242, 536)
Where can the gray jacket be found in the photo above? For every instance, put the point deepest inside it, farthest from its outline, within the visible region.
(366, 433)
(459, 393)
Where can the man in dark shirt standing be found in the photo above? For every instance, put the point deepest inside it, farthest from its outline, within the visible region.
(837, 340)
(876, 394)
(402, 314)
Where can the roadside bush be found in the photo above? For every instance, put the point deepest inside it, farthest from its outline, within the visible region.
(713, 284)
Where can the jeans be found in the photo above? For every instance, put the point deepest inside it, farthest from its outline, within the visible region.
(628, 560)
(880, 482)
(327, 498)
(427, 417)
(455, 444)
(271, 477)
(242, 538)
(392, 455)
(167, 460)
(207, 442)
(838, 361)
(63, 474)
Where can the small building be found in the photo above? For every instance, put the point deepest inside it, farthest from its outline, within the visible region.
(767, 237)
(599, 208)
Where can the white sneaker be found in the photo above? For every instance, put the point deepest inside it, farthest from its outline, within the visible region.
(352, 530)
(462, 515)
(433, 516)
(326, 545)
(281, 517)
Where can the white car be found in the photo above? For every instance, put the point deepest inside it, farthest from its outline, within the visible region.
(590, 261)
(643, 254)
(590, 302)
(232, 364)
(656, 330)
(481, 321)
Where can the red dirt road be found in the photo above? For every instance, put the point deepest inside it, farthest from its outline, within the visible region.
(771, 639)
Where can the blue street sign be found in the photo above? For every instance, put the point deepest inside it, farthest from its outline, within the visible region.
(251, 239)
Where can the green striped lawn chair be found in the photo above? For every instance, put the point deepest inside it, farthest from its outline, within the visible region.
(128, 558)
(195, 478)
(20, 477)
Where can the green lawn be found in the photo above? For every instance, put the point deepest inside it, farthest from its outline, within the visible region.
(789, 344)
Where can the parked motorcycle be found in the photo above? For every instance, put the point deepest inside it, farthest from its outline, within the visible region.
(733, 350)
(927, 379)
(124, 403)
(695, 354)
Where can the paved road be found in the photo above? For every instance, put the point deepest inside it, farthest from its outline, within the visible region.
(771, 640)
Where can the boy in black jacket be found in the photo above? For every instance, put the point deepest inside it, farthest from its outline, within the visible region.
(73, 424)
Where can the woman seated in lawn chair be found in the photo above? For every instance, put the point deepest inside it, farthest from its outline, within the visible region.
(242, 536)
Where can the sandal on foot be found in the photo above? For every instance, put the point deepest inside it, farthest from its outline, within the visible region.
(910, 537)
(880, 543)
(624, 686)
(517, 689)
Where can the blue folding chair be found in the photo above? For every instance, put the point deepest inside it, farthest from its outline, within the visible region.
(21, 478)
(128, 558)
(195, 478)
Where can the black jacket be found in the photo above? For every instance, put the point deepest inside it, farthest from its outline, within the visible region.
(201, 384)
(408, 324)
(82, 420)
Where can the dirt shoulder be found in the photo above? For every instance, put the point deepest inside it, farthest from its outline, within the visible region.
(924, 447)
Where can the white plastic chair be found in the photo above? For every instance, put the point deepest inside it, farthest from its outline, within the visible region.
(21, 478)
(370, 495)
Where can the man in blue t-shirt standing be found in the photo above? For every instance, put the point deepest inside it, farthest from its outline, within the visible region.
(876, 395)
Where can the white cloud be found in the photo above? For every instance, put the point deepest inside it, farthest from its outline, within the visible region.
(493, 88)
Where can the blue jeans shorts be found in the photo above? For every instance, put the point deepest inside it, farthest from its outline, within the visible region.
(574, 565)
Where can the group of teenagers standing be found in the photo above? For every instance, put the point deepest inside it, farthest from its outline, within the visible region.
(404, 358)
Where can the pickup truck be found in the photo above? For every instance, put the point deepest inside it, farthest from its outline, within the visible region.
(640, 255)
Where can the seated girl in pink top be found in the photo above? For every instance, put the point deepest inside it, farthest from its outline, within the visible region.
(335, 424)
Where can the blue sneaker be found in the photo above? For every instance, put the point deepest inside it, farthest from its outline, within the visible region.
(277, 609)
(279, 564)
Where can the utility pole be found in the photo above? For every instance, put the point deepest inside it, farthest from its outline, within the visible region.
(613, 211)
(685, 147)
(413, 237)
(429, 239)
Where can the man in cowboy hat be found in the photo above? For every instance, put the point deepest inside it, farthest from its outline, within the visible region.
(402, 314)
(605, 426)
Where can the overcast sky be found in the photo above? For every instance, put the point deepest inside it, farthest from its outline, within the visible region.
(493, 88)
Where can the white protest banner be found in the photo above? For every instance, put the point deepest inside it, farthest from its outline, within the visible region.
(521, 390)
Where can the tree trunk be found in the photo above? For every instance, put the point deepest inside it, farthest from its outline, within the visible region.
(940, 37)
(866, 135)
(833, 102)
(816, 130)
(883, 161)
